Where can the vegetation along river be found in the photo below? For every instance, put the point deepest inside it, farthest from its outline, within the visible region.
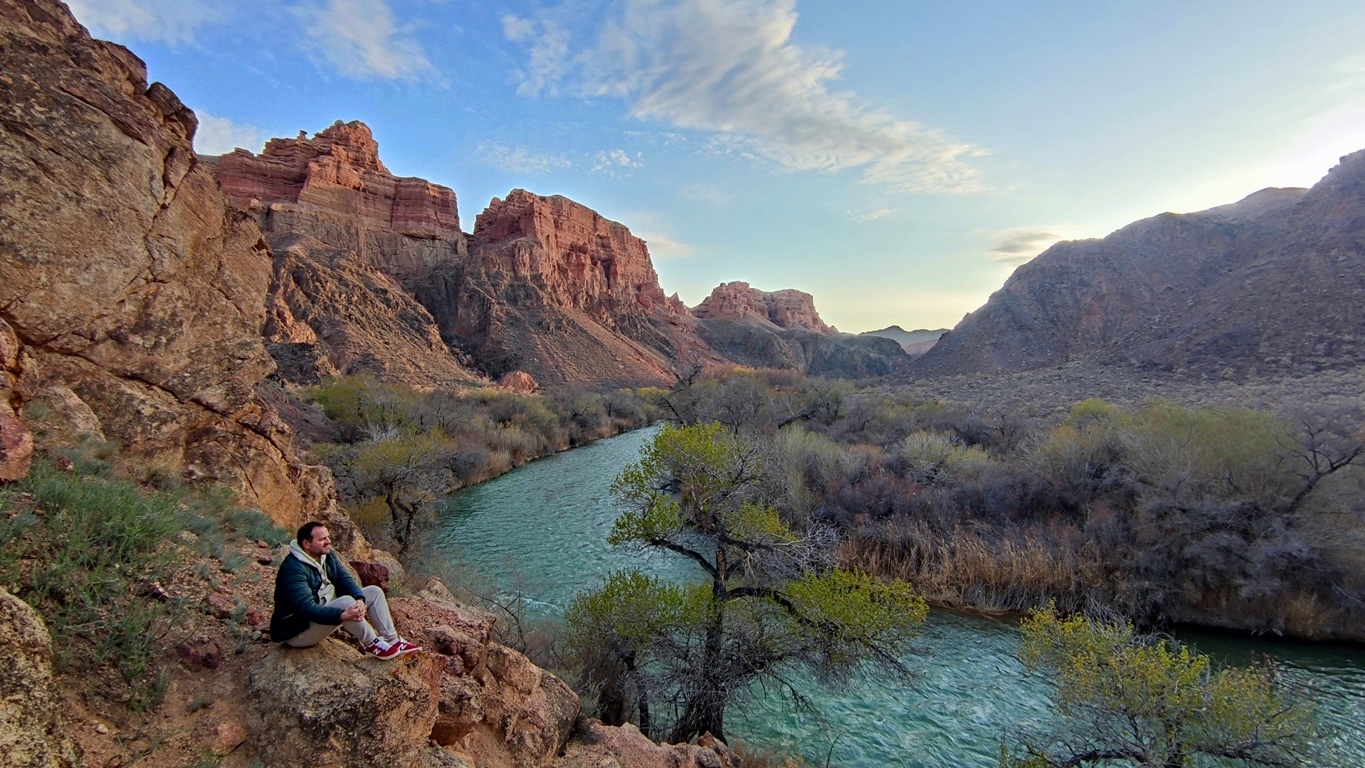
(541, 532)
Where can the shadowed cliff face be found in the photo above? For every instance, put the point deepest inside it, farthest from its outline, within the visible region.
(126, 278)
(1266, 285)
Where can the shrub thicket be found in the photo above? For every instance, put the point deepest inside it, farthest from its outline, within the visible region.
(401, 449)
(1166, 512)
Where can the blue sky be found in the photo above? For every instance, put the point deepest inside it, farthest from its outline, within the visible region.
(896, 160)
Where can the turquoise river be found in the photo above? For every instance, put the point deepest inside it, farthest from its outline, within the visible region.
(540, 532)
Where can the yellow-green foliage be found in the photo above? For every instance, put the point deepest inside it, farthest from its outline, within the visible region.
(858, 610)
(631, 605)
(933, 457)
(1133, 700)
(1225, 453)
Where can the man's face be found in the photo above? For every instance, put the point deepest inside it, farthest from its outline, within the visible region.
(320, 544)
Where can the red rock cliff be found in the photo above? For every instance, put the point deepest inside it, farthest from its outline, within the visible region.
(334, 188)
(785, 309)
(580, 259)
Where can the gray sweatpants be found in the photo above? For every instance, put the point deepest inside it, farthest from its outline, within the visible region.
(376, 613)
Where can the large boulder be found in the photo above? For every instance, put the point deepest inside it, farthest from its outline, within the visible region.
(496, 706)
(31, 732)
(333, 705)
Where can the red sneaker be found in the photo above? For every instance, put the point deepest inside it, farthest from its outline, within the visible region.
(386, 652)
(404, 647)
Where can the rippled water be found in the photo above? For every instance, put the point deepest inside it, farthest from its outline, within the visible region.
(541, 531)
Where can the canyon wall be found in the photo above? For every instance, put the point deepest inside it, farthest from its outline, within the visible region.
(334, 188)
(130, 291)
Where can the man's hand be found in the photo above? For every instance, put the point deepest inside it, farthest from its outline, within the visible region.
(355, 613)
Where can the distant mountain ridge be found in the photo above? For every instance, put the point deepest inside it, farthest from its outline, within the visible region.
(1271, 284)
(915, 342)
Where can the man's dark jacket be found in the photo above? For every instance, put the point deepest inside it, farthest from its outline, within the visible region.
(296, 600)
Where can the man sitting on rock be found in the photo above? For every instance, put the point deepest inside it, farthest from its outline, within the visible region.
(314, 594)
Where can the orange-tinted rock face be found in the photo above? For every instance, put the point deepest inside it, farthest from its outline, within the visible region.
(333, 187)
(580, 259)
(785, 309)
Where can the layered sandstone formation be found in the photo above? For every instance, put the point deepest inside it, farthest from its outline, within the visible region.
(344, 233)
(334, 188)
(1263, 286)
(787, 308)
(128, 283)
(553, 289)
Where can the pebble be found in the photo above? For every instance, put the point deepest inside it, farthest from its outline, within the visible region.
(101, 729)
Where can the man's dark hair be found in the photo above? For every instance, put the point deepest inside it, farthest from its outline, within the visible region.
(306, 532)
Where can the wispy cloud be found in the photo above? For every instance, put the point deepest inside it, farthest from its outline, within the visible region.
(612, 161)
(865, 216)
(665, 247)
(1020, 244)
(731, 68)
(170, 21)
(521, 159)
(705, 193)
(361, 40)
(219, 135)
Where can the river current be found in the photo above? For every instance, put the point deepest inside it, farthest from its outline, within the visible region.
(541, 532)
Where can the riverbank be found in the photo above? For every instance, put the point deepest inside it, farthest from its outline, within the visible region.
(538, 536)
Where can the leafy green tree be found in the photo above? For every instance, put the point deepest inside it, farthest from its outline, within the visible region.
(1128, 699)
(770, 603)
(407, 472)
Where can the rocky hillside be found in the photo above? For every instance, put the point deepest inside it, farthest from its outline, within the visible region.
(1269, 285)
(343, 235)
(133, 298)
(782, 329)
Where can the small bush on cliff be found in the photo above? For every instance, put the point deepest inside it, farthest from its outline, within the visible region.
(90, 553)
(83, 555)
(1127, 699)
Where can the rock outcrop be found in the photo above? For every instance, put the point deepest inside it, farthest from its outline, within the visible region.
(787, 308)
(604, 746)
(334, 188)
(556, 290)
(915, 342)
(465, 701)
(127, 280)
(1263, 286)
(31, 732)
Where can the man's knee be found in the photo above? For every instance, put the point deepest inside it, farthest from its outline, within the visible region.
(373, 595)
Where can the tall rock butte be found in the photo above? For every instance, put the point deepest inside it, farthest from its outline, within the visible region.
(1269, 285)
(131, 294)
(344, 234)
(556, 290)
